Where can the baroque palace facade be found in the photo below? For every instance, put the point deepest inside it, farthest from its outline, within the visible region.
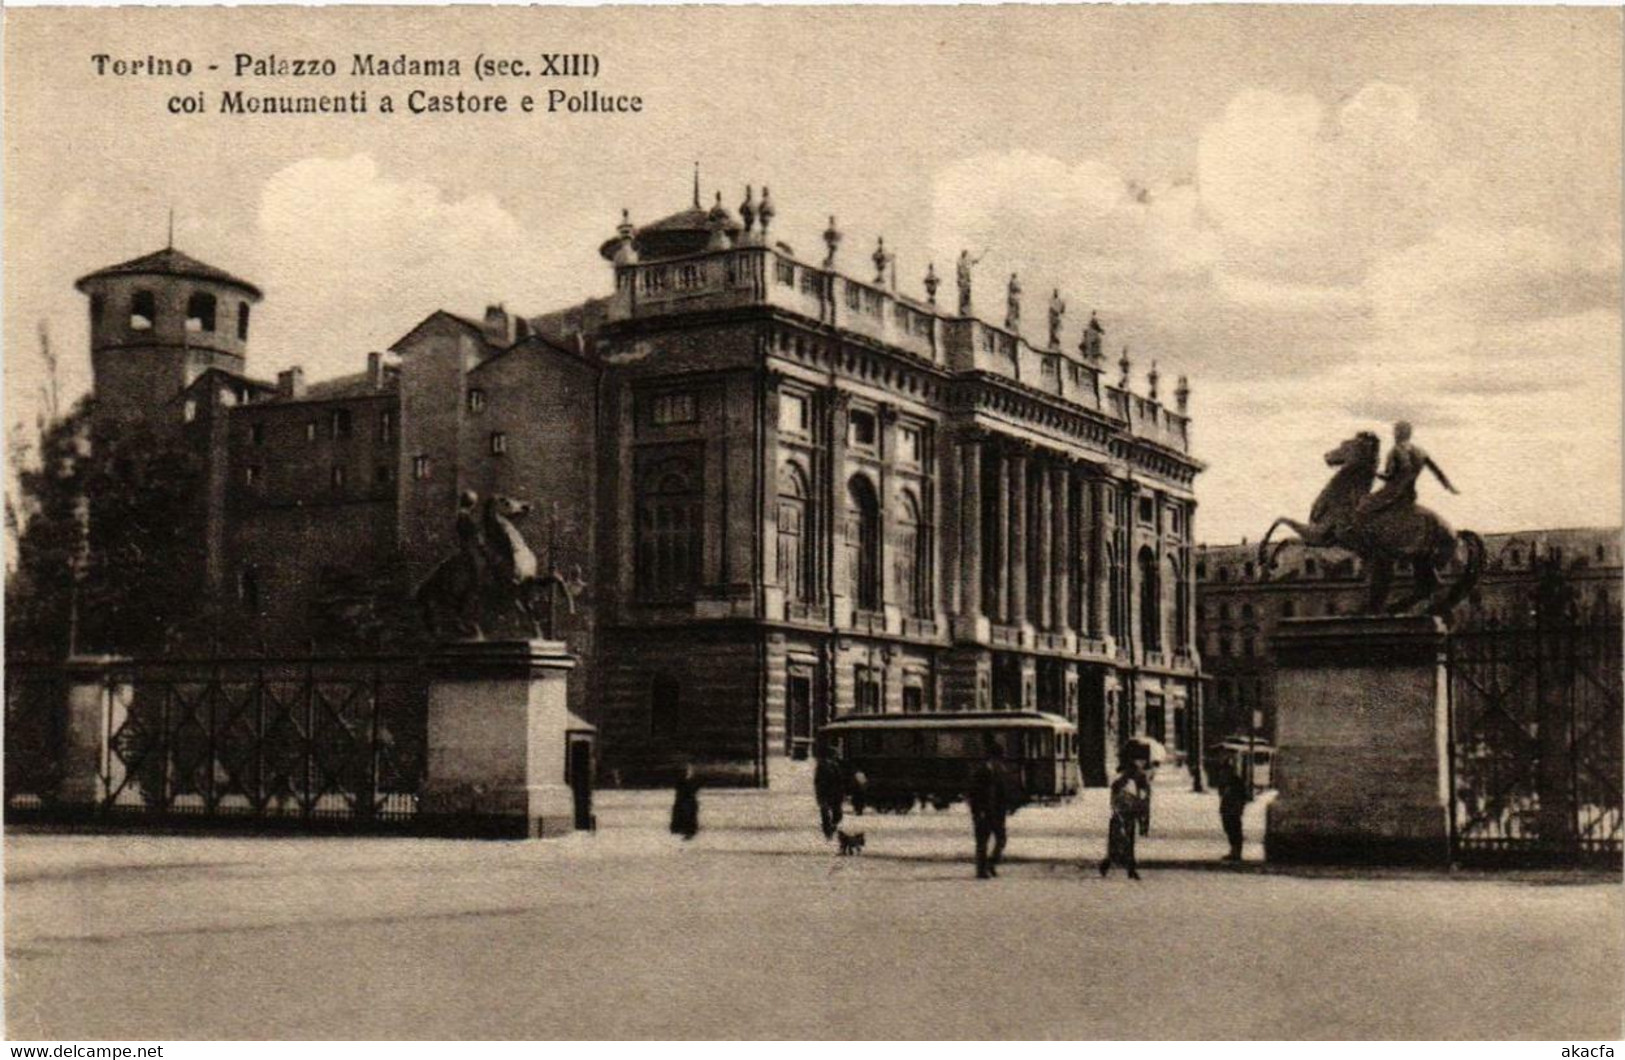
(791, 493)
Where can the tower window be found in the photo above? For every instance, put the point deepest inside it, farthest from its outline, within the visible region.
(98, 306)
(242, 321)
(499, 443)
(143, 310)
(200, 311)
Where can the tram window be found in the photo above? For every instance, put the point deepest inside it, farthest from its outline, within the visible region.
(954, 744)
(900, 743)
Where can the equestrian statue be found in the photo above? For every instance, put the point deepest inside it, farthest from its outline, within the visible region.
(493, 584)
(1387, 526)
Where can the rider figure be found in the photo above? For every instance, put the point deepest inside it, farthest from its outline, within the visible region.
(1405, 465)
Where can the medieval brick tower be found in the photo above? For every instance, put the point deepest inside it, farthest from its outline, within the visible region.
(157, 323)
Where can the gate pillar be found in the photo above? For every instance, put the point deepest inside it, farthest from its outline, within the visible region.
(499, 729)
(1361, 767)
(94, 691)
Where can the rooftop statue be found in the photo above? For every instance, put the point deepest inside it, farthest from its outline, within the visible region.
(966, 263)
(1057, 310)
(493, 584)
(1386, 527)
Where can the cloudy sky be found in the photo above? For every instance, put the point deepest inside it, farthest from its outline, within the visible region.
(1327, 218)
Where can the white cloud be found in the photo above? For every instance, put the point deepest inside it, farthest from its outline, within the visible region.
(403, 246)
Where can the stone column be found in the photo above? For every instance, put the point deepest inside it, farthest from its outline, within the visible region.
(498, 732)
(97, 697)
(834, 538)
(1016, 612)
(1000, 605)
(1100, 580)
(970, 530)
(1361, 763)
(1061, 485)
(1046, 548)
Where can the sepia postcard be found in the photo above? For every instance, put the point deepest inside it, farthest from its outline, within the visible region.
(813, 523)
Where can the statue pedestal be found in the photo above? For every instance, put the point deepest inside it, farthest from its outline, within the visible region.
(1361, 765)
(499, 727)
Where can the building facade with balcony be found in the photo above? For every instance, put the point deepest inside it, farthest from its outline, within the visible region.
(791, 494)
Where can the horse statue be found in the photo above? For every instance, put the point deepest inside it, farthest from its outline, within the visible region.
(1383, 535)
(493, 582)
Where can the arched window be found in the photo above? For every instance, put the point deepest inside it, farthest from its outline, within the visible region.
(200, 311)
(143, 310)
(1150, 602)
(913, 553)
(669, 532)
(863, 544)
(795, 552)
(665, 707)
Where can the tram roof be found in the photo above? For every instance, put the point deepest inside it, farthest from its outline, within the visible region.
(1003, 719)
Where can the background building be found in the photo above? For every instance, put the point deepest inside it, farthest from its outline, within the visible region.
(1239, 605)
(791, 493)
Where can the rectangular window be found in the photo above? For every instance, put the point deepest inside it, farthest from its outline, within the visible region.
(383, 474)
(784, 272)
(476, 400)
(861, 428)
(420, 467)
(1147, 511)
(913, 699)
(865, 690)
(793, 416)
(908, 445)
(256, 433)
(336, 477)
(251, 475)
(312, 429)
(338, 424)
(673, 408)
(499, 443)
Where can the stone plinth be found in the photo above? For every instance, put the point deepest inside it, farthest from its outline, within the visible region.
(498, 730)
(1360, 767)
(96, 699)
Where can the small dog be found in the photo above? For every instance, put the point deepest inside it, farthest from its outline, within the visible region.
(851, 842)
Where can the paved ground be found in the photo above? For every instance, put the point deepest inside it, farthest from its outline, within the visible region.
(755, 929)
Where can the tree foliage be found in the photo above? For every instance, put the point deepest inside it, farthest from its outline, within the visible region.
(109, 528)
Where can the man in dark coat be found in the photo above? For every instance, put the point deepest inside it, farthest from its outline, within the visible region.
(829, 786)
(1234, 795)
(685, 808)
(1128, 796)
(989, 805)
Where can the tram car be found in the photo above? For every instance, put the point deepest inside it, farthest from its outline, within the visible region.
(929, 758)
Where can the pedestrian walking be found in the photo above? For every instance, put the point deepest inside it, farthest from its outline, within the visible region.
(989, 805)
(1127, 801)
(1235, 792)
(829, 787)
(685, 808)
